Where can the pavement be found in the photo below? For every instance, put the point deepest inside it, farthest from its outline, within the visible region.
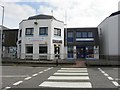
(62, 78)
(74, 63)
(6, 62)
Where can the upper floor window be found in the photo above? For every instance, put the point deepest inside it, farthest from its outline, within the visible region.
(84, 34)
(70, 35)
(43, 31)
(78, 34)
(57, 32)
(90, 34)
(29, 31)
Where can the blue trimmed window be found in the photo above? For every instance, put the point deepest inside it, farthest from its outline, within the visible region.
(70, 37)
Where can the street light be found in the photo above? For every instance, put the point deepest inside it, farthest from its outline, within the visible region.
(1, 33)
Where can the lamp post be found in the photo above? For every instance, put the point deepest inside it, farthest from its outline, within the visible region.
(1, 31)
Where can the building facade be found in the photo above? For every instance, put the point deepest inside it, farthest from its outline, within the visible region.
(82, 43)
(40, 37)
(109, 32)
(9, 46)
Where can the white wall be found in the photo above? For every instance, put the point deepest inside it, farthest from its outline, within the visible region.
(113, 35)
(36, 39)
(60, 25)
(119, 35)
(109, 38)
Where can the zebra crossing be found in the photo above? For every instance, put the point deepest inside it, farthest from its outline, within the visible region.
(68, 78)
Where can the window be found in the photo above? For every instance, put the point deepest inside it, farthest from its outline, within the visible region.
(78, 34)
(20, 33)
(29, 31)
(57, 32)
(84, 34)
(70, 37)
(70, 34)
(43, 31)
(29, 48)
(42, 49)
(90, 34)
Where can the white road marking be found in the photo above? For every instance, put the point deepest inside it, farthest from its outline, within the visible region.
(70, 74)
(7, 87)
(27, 78)
(117, 79)
(13, 76)
(103, 72)
(17, 83)
(66, 84)
(115, 83)
(106, 74)
(99, 68)
(34, 75)
(68, 78)
(45, 70)
(72, 70)
(110, 78)
(41, 72)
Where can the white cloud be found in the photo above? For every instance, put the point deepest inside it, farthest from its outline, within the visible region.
(15, 13)
(80, 13)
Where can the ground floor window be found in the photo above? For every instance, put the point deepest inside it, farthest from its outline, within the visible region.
(89, 52)
(43, 49)
(70, 51)
(85, 51)
(29, 48)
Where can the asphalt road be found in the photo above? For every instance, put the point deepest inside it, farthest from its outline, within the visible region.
(59, 77)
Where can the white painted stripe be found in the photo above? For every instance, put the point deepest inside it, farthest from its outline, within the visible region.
(14, 76)
(106, 74)
(45, 70)
(115, 83)
(41, 72)
(117, 79)
(103, 72)
(70, 74)
(110, 78)
(72, 71)
(17, 83)
(66, 84)
(34, 75)
(68, 78)
(7, 87)
(51, 67)
(74, 68)
(27, 78)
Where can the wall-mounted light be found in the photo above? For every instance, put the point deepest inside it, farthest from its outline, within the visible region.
(35, 23)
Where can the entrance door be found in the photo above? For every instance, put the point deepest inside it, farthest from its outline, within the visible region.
(81, 52)
(57, 51)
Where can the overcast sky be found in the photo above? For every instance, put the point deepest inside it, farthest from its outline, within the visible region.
(78, 13)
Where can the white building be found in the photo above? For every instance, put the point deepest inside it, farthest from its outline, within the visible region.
(109, 31)
(40, 37)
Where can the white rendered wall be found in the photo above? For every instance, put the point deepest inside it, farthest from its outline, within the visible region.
(113, 35)
(36, 39)
(109, 38)
(60, 25)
